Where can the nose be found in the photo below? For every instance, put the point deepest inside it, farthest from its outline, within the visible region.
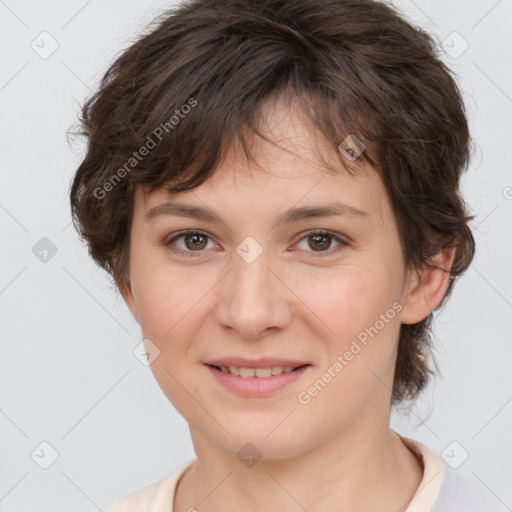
(253, 299)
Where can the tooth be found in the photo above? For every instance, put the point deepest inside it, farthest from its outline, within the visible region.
(246, 372)
(234, 370)
(256, 372)
(263, 372)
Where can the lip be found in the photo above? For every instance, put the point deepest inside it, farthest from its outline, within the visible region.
(257, 386)
(264, 362)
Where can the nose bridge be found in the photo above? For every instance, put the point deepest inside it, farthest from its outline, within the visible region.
(252, 298)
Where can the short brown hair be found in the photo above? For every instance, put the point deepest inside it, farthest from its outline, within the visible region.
(358, 68)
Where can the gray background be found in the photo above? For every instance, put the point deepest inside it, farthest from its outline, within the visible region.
(68, 374)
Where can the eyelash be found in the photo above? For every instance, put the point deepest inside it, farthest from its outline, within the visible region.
(320, 232)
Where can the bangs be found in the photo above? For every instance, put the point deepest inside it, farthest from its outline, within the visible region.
(184, 137)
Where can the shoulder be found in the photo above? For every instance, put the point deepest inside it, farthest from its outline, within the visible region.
(466, 492)
(444, 489)
(155, 497)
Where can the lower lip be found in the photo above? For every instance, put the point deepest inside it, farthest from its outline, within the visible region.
(257, 386)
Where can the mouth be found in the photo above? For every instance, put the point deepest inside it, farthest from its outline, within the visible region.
(260, 373)
(256, 382)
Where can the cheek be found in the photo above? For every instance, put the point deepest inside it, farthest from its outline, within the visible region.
(169, 306)
(164, 297)
(359, 354)
(357, 306)
(349, 299)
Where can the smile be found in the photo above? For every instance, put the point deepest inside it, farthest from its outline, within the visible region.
(256, 382)
(256, 372)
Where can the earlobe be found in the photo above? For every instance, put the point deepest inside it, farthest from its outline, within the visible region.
(427, 288)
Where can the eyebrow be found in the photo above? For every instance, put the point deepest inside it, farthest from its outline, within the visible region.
(291, 215)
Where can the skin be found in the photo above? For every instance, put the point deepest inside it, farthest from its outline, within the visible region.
(320, 456)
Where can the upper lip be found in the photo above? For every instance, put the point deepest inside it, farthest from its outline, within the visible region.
(264, 362)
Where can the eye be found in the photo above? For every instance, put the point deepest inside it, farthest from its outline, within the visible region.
(194, 241)
(320, 242)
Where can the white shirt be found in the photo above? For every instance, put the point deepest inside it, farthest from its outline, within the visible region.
(441, 489)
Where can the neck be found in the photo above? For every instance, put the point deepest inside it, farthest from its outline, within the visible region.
(371, 470)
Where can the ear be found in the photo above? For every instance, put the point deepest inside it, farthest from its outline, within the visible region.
(125, 289)
(426, 288)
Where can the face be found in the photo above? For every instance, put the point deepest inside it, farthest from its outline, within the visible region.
(322, 291)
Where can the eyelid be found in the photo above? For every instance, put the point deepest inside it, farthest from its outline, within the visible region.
(343, 241)
(175, 236)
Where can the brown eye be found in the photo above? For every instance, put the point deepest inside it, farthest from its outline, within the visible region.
(193, 242)
(321, 242)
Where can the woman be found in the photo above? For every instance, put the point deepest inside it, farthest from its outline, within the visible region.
(274, 186)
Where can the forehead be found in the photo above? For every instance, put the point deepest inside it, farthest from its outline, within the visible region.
(290, 164)
(236, 196)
